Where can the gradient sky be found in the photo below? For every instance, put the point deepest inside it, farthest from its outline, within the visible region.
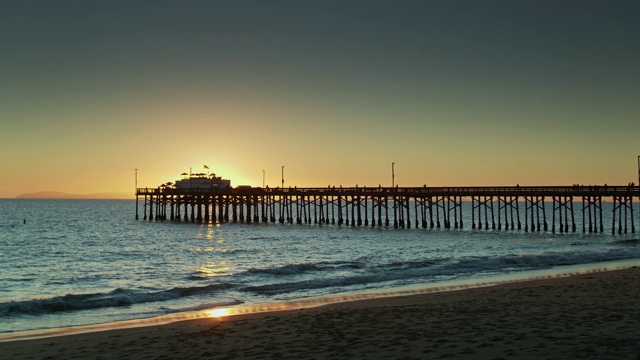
(454, 92)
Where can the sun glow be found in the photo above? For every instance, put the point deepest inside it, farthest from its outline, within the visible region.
(218, 312)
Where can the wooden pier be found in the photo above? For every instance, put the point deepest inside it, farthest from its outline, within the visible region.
(529, 208)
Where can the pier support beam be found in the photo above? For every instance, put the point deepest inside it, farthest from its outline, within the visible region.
(623, 205)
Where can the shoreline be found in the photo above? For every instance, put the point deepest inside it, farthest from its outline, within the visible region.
(347, 297)
(590, 315)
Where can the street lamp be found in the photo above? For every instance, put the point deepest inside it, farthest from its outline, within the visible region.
(136, 192)
(393, 175)
(263, 179)
(283, 176)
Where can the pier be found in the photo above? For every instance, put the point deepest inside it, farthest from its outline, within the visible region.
(556, 209)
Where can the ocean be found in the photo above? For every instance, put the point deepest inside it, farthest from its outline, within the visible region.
(67, 263)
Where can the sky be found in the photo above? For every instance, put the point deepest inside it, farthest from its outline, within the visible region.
(454, 92)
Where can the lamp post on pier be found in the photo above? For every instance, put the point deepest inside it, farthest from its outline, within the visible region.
(263, 179)
(136, 192)
(393, 175)
(282, 198)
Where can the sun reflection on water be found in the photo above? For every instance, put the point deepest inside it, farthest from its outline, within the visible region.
(206, 231)
(212, 241)
(212, 269)
(214, 237)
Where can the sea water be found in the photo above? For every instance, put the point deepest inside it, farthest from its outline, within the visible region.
(78, 262)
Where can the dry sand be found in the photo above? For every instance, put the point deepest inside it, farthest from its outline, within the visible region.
(592, 316)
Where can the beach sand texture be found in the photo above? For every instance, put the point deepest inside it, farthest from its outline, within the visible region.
(590, 316)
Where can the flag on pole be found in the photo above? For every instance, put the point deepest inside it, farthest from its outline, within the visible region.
(206, 167)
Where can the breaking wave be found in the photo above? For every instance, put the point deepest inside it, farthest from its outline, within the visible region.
(428, 270)
(115, 298)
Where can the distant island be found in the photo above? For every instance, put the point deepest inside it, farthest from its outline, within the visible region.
(63, 195)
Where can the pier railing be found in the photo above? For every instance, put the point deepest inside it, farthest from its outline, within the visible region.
(578, 190)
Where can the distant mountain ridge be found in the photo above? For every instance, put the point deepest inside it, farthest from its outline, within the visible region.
(63, 195)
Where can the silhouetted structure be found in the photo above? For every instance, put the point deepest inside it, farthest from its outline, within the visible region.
(508, 208)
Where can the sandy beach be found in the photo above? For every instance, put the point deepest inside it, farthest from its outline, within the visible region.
(589, 316)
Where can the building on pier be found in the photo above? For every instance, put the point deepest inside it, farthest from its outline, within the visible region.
(202, 182)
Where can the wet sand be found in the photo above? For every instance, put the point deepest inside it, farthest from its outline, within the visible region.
(590, 316)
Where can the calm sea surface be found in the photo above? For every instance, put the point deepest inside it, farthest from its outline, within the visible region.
(79, 262)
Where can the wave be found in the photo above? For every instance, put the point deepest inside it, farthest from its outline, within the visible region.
(627, 242)
(290, 269)
(428, 270)
(115, 298)
(295, 269)
(232, 251)
(418, 263)
(19, 280)
(287, 270)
